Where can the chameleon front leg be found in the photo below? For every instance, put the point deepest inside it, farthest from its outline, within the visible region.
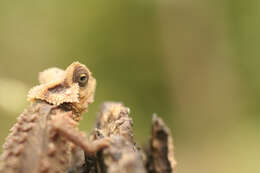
(64, 125)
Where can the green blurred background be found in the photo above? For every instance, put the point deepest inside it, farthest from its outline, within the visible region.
(194, 63)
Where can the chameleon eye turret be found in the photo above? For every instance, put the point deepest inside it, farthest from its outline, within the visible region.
(81, 76)
(83, 79)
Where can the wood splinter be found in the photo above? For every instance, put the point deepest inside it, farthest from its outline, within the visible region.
(161, 153)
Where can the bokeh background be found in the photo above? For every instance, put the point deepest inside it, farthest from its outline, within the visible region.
(194, 63)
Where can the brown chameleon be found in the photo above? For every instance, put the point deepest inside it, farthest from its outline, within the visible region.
(46, 132)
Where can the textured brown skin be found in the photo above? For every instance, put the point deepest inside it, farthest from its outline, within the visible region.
(42, 139)
(40, 148)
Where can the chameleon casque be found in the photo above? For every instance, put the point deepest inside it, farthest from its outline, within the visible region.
(42, 139)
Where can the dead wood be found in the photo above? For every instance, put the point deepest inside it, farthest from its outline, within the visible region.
(123, 155)
(160, 155)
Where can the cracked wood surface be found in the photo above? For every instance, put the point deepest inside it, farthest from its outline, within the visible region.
(123, 155)
(161, 153)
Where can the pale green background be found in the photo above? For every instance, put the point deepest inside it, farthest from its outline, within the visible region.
(195, 63)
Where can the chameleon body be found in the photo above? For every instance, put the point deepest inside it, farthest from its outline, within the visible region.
(45, 134)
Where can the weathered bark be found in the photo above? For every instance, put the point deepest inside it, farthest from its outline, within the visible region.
(123, 155)
(160, 156)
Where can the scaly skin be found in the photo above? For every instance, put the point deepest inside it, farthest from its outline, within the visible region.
(42, 139)
(31, 146)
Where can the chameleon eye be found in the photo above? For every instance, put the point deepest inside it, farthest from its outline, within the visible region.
(82, 79)
(80, 76)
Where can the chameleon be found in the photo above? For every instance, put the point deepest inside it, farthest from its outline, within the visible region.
(46, 133)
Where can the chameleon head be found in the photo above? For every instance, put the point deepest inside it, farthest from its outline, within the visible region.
(74, 86)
